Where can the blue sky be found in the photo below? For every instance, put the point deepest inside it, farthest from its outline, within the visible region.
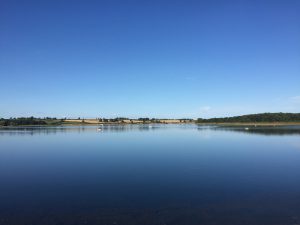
(149, 58)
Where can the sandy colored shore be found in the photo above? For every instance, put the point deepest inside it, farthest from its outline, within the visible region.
(91, 121)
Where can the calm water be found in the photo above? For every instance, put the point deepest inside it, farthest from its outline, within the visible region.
(143, 175)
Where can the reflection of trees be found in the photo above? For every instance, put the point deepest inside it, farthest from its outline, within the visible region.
(39, 130)
(35, 130)
(131, 127)
(282, 130)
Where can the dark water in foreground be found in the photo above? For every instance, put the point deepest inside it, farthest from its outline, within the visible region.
(141, 175)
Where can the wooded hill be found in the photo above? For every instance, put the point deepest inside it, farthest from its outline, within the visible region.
(255, 118)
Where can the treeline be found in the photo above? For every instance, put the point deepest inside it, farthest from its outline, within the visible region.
(121, 119)
(22, 121)
(253, 118)
(117, 119)
(142, 119)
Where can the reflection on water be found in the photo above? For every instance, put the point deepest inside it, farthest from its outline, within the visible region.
(149, 174)
(264, 130)
(31, 130)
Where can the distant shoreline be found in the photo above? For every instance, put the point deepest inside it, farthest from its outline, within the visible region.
(252, 120)
(260, 124)
(95, 122)
(252, 124)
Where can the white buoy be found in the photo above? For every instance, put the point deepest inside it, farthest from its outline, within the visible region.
(246, 128)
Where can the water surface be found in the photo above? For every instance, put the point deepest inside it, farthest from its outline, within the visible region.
(150, 174)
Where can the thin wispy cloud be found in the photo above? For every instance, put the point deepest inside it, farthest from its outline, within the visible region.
(205, 109)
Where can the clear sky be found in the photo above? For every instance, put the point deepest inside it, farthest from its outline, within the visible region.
(149, 58)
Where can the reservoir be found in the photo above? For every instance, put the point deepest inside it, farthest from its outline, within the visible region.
(150, 175)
